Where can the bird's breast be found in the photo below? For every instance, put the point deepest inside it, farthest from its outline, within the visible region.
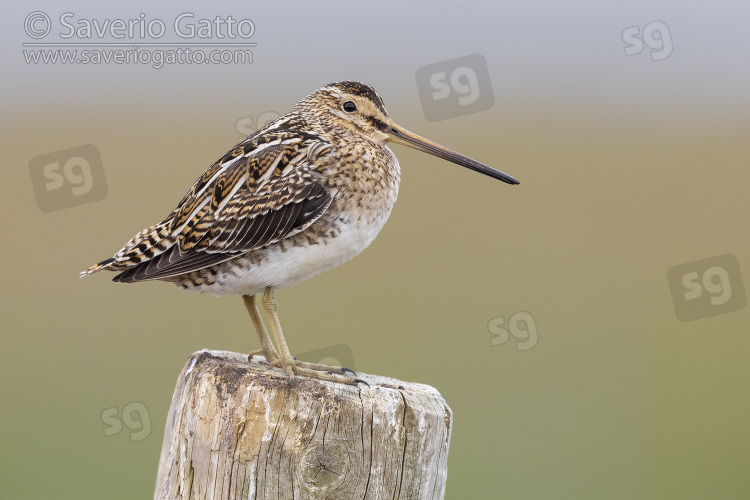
(366, 178)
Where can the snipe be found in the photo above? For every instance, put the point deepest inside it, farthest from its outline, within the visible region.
(301, 196)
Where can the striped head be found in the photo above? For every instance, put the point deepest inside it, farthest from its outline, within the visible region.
(357, 108)
(353, 106)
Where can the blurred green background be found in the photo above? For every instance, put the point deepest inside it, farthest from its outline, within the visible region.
(628, 166)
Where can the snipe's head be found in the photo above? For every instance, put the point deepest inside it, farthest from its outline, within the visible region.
(352, 106)
(356, 107)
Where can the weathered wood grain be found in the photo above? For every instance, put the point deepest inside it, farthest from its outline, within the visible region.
(236, 430)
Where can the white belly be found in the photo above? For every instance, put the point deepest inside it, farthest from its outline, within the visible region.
(283, 269)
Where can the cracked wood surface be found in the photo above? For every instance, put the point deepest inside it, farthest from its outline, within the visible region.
(236, 430)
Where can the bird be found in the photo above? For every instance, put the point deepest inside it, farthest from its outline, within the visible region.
(301, 196)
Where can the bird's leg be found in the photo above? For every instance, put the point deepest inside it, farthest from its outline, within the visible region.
(266, 344)
(285, 360)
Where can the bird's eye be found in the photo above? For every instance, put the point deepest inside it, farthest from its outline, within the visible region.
(349, 107)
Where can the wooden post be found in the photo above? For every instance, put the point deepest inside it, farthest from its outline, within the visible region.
(236, 431)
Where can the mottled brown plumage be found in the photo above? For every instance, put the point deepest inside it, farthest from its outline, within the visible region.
(299, 197)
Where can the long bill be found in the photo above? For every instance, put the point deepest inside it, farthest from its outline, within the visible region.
(402, 136)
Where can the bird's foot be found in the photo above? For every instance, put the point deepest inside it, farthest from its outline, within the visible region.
(324, 368)
(271, 357)
(317, 371)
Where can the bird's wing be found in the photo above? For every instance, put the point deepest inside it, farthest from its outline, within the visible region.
(264, 190)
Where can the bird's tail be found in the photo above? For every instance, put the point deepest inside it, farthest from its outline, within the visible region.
(98, 267)
(144, 246)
